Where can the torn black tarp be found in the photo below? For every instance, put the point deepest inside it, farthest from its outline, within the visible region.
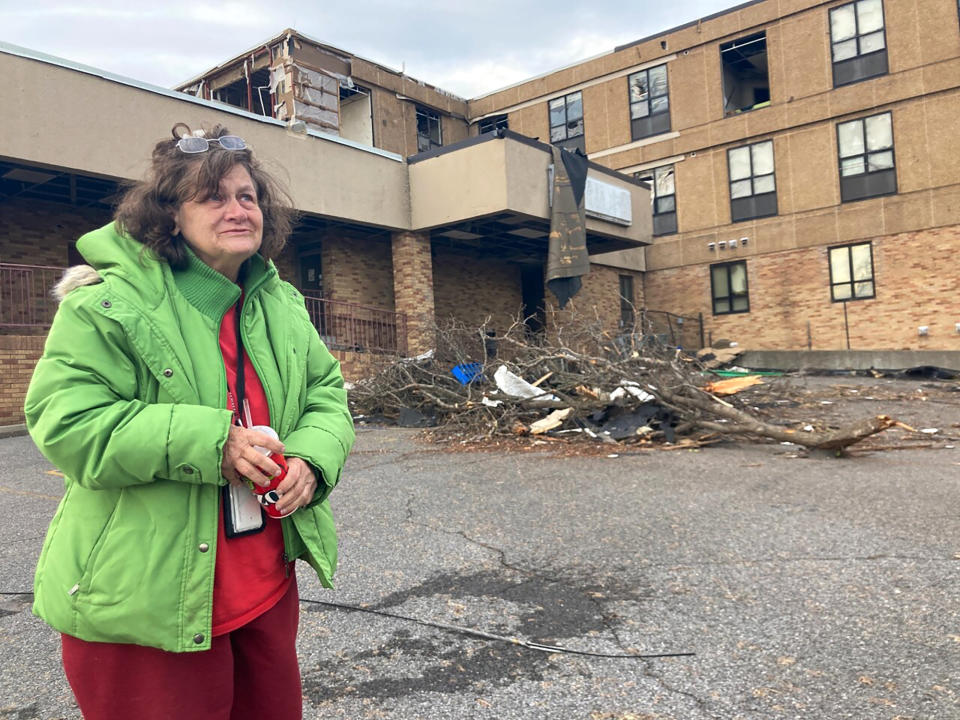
(621, 423)
(567, 258)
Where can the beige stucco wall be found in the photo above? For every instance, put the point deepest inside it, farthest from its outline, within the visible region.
(106, 128)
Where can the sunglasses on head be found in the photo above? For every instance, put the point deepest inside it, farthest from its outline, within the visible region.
(192, 144)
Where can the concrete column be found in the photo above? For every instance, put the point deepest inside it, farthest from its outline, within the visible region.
(413, 288)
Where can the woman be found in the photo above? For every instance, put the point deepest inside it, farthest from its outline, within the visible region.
(174, 594)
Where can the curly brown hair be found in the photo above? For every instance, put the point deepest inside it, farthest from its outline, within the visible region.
(146, 211)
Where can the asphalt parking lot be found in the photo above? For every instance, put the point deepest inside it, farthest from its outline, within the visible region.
(809, 587)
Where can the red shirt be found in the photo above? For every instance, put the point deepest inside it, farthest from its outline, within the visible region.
(251, 574)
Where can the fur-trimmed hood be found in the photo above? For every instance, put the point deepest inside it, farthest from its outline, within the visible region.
(74, 277)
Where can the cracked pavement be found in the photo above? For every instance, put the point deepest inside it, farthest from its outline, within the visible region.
(807, 587)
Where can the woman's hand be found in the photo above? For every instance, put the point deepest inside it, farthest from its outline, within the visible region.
(298, 487)
(242, 460)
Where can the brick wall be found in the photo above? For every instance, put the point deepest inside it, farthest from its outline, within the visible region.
(358, 270)
(34, 232)
(598, 302)
(18, 356)
(914, 286)
(474, 289)
(413, 288)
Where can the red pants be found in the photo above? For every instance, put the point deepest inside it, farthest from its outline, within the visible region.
(250, 673)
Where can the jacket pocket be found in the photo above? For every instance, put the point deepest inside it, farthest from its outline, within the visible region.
(83, 587)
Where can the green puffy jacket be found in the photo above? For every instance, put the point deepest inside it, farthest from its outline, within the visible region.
(129, 402)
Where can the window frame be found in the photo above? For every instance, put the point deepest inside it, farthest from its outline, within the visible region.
(497, 122)
(725, 65)
(852, 282)
(861, 61)
(635, 123)
(876, 183)
(571, 142)
(627, 302)
(755, 205)
(664, 222)
(730, 294)
(430, 115)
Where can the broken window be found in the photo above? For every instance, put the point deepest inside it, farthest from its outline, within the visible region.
(566, 121)
(867, 166)
(746, 84)
(356, 113)
(663, 197)
(728, 286)
(851, 272)
(753, 187)
(627, 303)
(492, 124)
(857, 41)
(649, 102)
(428, 129)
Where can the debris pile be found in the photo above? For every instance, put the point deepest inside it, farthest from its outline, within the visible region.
(623, 389)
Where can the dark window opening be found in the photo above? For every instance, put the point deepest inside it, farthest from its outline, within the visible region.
(663, 197)
(746, 82)
(492, 124)
(753, 187)
(428, 129)
(858, 42)
(867, 163)
(728, 287)
(255, 99)
(649, 102)
(532, 290)
(627, 304)
(566, 121)
(311, 275)
(851, 272)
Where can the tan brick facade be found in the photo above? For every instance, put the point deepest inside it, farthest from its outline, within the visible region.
(18, 356)
(34, 232)
(791, 307)
(476, 290)
(918, 224)
(413, 288)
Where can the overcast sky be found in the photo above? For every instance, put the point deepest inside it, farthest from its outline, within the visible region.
(468, 48)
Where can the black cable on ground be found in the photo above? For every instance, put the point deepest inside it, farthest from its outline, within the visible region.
(470, 631)
(491, 636)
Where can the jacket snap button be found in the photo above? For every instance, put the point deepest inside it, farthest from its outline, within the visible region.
(204, 547)
(198, 638)
(168, 373)
(106, 304)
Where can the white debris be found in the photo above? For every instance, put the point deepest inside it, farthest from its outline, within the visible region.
(490, 403)
(554, 419)
(808, 428)
(628, 386)
(930, 431)
(516, 386)
(613, 455)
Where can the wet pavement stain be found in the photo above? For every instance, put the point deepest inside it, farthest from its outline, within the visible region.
(551, 608)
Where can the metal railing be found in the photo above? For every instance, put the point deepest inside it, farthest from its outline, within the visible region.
(668, 329)
(26, 303)
(361, 328)
(676, 330)
(25, 299)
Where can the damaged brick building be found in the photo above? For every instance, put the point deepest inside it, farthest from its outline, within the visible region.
(778, 173)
